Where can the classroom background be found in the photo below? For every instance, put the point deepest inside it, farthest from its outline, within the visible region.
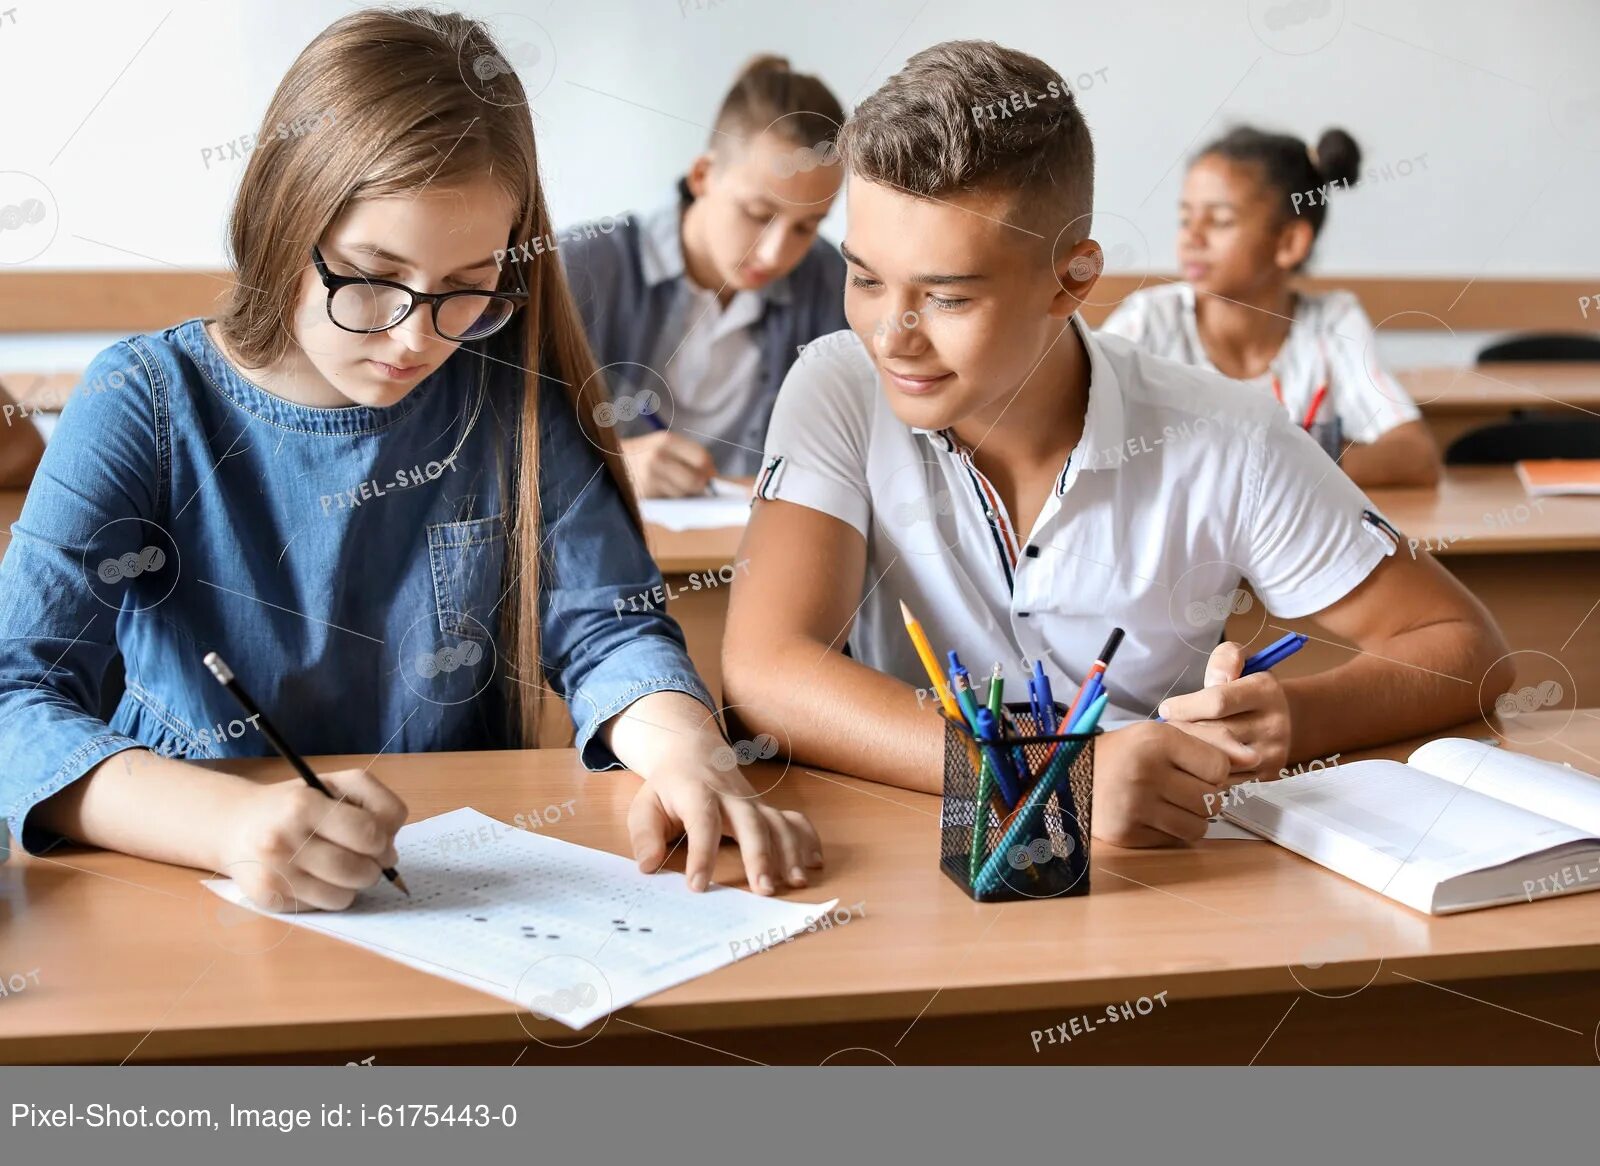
(1479, 121)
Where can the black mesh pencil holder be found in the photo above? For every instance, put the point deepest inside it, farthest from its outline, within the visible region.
(1039, 849)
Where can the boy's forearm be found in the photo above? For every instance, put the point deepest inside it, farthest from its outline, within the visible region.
(835, 713)
(1424, 679)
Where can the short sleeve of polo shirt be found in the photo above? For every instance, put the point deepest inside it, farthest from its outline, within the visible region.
(1309, 534)
(816, 452)
(1370, 402)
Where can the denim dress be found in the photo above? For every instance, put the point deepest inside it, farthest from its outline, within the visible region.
(350, 565)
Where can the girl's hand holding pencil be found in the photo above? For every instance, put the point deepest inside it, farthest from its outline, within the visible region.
(293, 848)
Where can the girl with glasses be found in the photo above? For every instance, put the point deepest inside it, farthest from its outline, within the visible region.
(374, 486)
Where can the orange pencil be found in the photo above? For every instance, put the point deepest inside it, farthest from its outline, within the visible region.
(930, 662)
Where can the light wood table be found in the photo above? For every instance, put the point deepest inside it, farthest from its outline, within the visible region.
(1455, 400)
(133, 963)
(10, 508)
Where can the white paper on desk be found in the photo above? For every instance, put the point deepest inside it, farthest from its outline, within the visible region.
(562, 930)
(728, 504)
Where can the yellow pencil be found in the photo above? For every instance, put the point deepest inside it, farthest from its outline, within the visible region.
(919, 640)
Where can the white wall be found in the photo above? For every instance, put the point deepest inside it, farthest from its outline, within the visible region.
(1475, 86)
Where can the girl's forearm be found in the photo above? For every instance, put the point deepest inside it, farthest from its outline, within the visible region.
(660, 729)
(148, 806)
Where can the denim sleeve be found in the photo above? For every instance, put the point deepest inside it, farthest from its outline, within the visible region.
(606, 640)
(90, 511)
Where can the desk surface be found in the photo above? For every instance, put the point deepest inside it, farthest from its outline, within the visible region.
(132, 963)
(682, 552)
(1513, 385)
(1480, 510)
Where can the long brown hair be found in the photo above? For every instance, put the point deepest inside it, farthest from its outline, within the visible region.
(400, 101)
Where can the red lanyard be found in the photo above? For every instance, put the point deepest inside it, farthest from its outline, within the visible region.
(1316, 398)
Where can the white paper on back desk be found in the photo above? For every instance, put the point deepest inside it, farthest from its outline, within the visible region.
(565, 931)
(728, 504)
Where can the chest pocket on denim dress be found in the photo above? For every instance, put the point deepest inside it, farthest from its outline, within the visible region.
(468, 561)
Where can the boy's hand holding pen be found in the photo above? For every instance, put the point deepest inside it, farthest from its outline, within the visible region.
(1243, 705)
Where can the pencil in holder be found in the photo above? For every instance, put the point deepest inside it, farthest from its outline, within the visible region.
(1038, 849)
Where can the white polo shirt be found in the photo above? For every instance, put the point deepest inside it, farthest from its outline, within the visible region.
(1330, 342)
(1180, 487)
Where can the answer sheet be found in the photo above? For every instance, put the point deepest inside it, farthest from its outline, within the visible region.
(727, 505)
(566, 932)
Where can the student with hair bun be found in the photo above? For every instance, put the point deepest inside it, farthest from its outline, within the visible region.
(707, 299)
(1252, 208)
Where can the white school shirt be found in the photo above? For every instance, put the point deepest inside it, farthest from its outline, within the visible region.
(1331, 342)
(1179, 488)
(714, 368)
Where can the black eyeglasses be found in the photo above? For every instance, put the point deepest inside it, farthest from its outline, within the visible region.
(362, 304)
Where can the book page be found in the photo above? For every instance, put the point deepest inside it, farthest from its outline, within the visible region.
(1401, 817)
(1542, 787)
(565, 931)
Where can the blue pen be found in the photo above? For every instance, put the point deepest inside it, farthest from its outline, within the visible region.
(996, 705)
(988, 735)
(1047, 700)
(961, 685)
(1275, 653)
(1096, 687)
(1272, 655)
(1033, 697)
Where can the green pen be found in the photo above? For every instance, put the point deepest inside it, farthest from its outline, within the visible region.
(980, 819)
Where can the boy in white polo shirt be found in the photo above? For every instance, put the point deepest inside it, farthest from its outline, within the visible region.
(1025, 485)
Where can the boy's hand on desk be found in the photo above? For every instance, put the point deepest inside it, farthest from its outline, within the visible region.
(325, 849)
(1154, 783)
(1233, 710)
(666, 465)
(690, 796)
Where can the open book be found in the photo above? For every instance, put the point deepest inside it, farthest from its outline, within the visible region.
(1462, 825)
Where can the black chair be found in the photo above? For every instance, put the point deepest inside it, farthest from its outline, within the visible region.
(1543, 346)
(1526, 438)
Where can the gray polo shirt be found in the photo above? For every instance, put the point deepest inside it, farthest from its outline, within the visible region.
(637, 303)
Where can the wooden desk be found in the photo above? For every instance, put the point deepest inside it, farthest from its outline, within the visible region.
(10, 508)
(133, 964)
(1455, 400)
